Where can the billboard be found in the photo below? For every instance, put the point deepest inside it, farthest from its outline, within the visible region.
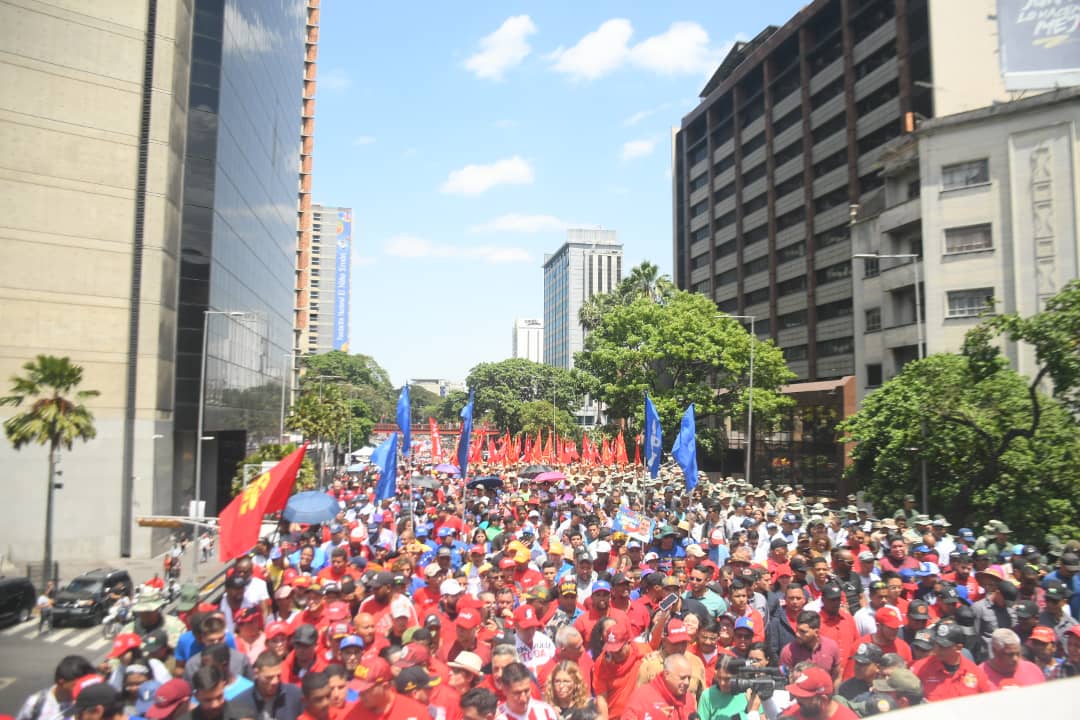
(1039, 43)
(342, 274)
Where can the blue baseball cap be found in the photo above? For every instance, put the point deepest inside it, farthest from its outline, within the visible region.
(377, 517)
(336, 528)
(921, 548)
(351, 641)
(422, 531)
(144, 699)
(601, 586)
(275, 553)
(445, 532)
(966, 534)
(789, 518)
(744, 623)
(927, 569)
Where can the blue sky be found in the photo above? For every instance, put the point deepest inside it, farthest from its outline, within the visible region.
(467, 136)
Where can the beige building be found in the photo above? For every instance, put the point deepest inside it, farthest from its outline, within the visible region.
(121, 123)
(990, 199)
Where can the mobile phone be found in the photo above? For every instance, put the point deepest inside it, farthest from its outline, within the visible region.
(669, 602)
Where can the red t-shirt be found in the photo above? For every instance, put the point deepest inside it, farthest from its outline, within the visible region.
(841, 628)
(897, 646)
(400, 708)
(938, 684)
(1027, 673)
(840, 712)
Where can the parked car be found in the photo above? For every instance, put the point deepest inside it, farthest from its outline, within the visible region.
(87, 598)
(17, 599)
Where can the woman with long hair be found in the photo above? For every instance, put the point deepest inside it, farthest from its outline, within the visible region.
(567, 692)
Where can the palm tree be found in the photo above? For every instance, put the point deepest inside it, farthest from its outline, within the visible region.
(645, 280)
(51, 419)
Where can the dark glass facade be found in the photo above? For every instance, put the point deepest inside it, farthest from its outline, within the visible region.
(238, 251)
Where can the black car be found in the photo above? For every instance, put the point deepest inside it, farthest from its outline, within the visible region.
(17, 599)
(87, 598)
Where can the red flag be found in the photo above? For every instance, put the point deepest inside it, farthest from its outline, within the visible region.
(605, 455)
(514, 455)
(436, 442)
(549, 453)
(637, 449)
(241, 520)
(492, 455)
(586, 449)
(573, 451)
(620, 450)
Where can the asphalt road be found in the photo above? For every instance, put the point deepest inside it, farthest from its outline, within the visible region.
(27, 660)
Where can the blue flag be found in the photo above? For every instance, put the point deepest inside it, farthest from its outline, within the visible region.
(685, 448)
(654, 438)
(404, 419)
(385, 456)
(466, 433)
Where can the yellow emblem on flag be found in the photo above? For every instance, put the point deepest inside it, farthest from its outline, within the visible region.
(252, 492)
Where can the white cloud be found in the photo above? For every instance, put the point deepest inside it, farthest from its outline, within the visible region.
(684, 48)
(334, 79)
(503, 49)
(363, 140)
(596, 54)
(638, 117)
(478, 179)
(516, 222)
(410, 246)
(637, 148)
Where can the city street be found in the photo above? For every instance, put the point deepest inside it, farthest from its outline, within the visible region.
(27, 660)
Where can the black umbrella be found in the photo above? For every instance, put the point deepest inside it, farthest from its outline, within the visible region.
(533, 470)
(488, 482)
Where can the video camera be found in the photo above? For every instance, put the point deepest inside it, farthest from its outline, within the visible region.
(763, 681)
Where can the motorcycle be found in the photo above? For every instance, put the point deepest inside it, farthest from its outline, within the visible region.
(118, 616)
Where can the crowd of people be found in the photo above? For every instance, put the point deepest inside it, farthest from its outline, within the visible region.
(605, 595)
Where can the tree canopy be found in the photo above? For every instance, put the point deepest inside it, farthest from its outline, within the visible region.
(55, 414)
(995, 445)
(503, 389)
(682, 351)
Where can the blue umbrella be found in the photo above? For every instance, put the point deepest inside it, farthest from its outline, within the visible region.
(311, 507)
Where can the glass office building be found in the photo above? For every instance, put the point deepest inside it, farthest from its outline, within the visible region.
(238, 247)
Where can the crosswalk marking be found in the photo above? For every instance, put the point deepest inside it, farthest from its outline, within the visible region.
(58, 635)
(98, 644)
(22, 629)
(85, 635)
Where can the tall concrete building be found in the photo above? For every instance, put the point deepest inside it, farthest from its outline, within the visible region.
(990, 201)
(528, 340)
(589, 263)
(150, 156)
(787, 139)
(328, 280)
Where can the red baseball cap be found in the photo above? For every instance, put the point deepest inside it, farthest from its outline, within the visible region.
(478, 549)
(1043, 634)
(337, 611)
(413, 654)
(617, 636)
(888, 616)
(525, 617)
(1074, 631)
(468, 619)
(371, 673)
(84, 682)
(123, 643)
(278, 628)
(167, 698)
(676, 632)
(507, 563)
(811, 682)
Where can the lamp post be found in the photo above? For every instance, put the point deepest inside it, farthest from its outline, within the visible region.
(286, 381)
(920, 339)
(322, 450)
(750, 403)
(199, 424)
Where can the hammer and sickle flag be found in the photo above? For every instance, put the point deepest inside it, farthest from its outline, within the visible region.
(241, 519)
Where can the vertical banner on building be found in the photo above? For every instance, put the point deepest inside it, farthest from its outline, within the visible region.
(342, 276)
(1039, 42)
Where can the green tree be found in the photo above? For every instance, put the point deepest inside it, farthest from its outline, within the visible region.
(683, 351)
(368, 380)
(423, 403)
(503, 388)
(644, 281)
(55, 416)
(448, 411)
(321, 413)
(1031, 483)
(537, 415)
(272, 452)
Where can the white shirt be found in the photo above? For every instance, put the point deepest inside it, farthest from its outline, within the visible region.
(865, 624)
(541, 652)
(536, 710)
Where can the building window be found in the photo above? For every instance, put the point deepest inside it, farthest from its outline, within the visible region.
(972, 238)
(871, 267)
(873, 320)
(791, 320)
(839, 271)
(728, 306)
(873, 375)
(789, 287)
(965, 174)
(794, 354)
(913, 190)
(757, 296)
(969, 303)
(839, 346)
(755, 266)
(727, 277)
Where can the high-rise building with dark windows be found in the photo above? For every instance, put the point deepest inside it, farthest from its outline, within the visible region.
(770, 167)
(159, 146)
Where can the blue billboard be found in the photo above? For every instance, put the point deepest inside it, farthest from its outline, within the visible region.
(1039, 42)
(342, 274)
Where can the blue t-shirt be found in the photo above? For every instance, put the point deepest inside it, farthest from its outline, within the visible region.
(188, 647)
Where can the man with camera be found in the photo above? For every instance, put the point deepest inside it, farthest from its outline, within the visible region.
(742, 689)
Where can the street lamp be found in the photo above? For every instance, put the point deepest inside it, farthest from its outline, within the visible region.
(750, 404)
(920, 336)
(286, 381)
(322, 449)
(199, 438)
